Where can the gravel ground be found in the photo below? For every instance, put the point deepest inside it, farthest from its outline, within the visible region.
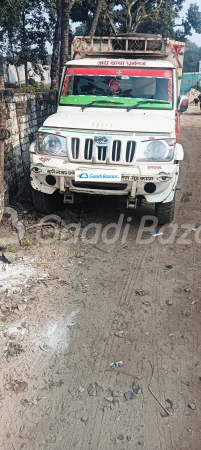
(70, 308)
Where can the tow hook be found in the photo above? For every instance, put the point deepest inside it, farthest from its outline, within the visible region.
(132, 203)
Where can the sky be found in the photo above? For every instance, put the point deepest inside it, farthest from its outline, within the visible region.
(195, 37)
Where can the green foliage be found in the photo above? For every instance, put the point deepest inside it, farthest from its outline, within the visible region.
(191, 22)
(34, 87)
(127, 16)
(192, 57)
(81, 30)
(24, 30)
(193, 17)
(161, 20)
(147, 16)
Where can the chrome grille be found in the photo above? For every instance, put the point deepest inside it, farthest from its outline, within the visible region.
(130, 151)
(101, 150)
(75, 143)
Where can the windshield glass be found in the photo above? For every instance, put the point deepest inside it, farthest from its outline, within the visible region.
(122, 87)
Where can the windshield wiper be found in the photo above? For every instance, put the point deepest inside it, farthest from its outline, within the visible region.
(141, 102)
(101, 101)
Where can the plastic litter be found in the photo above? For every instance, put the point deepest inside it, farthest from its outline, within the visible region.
(81, 389)
(156, 233)
(191, 229)
(116, 364)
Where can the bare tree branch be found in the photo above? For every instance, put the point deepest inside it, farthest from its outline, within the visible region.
(139, 18)
(112, 24)
(129, 7)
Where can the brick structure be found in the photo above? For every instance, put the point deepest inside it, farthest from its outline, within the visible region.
(25, 113)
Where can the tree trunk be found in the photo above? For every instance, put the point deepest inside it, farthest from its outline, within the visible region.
(54, 73)
(25, 47)
(129, 15)
(98, 8)
(66, 6)
(2, 125)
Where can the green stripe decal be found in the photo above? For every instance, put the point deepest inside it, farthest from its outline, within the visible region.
(83, 100)
(105, 132)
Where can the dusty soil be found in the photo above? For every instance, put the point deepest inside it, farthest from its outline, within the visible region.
(69, 310)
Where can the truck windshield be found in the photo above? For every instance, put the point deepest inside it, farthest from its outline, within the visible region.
(84, 86)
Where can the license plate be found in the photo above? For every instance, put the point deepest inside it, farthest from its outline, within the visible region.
(98, 175)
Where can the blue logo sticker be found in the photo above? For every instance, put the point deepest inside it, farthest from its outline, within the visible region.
(83, 175)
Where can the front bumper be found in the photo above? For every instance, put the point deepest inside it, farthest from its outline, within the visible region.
(133, 182)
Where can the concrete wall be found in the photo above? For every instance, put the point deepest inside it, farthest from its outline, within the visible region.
(10, 74)
(25, 113)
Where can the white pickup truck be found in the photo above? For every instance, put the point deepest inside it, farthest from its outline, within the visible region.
(116, 129)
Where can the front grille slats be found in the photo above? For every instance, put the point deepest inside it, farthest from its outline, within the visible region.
(116, 151)
(130, 151)
(102, 151)
(75, 143)
(88, 149)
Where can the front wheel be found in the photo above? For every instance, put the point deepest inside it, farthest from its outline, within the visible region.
(165, 212)
(46, 203)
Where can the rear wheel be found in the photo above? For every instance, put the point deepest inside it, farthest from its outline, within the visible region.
(46, 203)
(165, 212)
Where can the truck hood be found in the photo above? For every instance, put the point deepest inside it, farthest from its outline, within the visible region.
(108, 120)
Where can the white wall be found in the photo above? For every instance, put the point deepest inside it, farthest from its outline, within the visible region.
(10, 74)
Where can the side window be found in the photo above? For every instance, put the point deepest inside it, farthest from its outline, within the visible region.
(162, 89)
(71, 85)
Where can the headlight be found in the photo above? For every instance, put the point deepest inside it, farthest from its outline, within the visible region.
(156, 150)
(51, 144)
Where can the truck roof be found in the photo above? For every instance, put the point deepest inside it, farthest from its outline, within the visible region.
(103, 62)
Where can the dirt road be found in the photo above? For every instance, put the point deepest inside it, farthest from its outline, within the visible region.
(81, 306)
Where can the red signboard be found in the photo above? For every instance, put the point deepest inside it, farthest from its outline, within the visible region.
(111, 71)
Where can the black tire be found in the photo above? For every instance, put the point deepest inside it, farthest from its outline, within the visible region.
(165, 212)
(46, 203)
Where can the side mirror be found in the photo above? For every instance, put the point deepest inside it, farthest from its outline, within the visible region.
(52, 97)
(183, 103)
